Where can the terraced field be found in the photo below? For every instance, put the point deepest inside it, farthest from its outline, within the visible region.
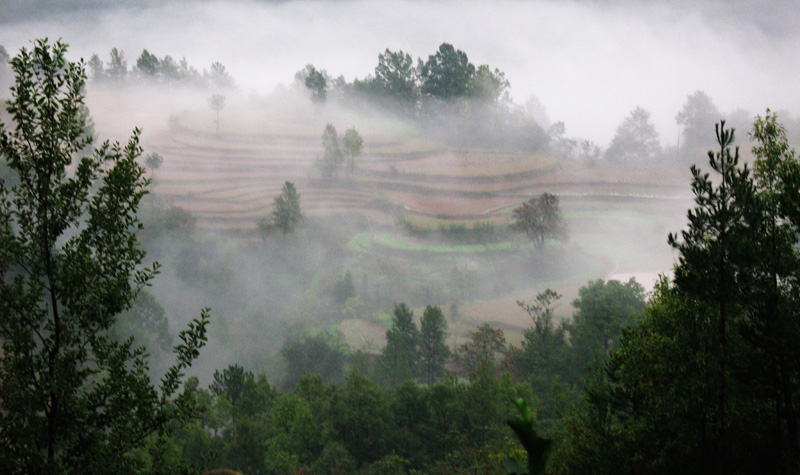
(229, 181)
(617, 219)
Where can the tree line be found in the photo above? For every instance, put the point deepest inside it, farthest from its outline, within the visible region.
(150, 68)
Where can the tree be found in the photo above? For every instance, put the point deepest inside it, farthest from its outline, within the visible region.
(647, 408)
(603, 310)
(332, 153)
(117, 66)
(286, 212)
(97, 69)
(710, 249)
(217, 103)
(447, 74)
(773, 324)
(360, 418)
(351, 146)
(154, 162)
(636, 140)
(540, 218)
(484, 347)
(704, 382)
(321, 354)
(433, 349)
(219, 77)
(148, 64)
(315, 80)
(396, 76)
(695, 116)
(543, 355)
(72, 399)
(399, 360)
(490, 86)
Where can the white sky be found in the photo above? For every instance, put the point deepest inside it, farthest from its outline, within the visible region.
(589, 64)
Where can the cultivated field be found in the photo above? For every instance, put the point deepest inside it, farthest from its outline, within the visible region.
(618, 219)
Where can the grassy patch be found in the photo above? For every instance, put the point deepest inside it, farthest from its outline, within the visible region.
(363, 241)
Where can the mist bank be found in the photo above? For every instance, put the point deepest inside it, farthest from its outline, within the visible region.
(589, 63)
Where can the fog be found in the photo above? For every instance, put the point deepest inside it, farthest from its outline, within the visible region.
(589, 63)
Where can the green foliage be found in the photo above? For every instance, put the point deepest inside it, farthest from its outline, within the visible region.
(544, 355)
(488, 85)
(603, 310)
(395, 78)
(315, 80)
(148, 64)
(433, 349)
(447, 74)
(702, 384)
(74, 399)
(286, 213)
(146, 322)
(359, 413)
(400, 357)
(540, 218)
(321, 353)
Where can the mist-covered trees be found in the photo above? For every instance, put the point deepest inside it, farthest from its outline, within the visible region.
(351, 146)
(321, 353)
(149, 68)
(694, 117)
(337, 151)
(5, 71)
(73, 399)
(539, 218)
(286, 212)
(332, 154)
(153, 162)
(216, 102)
(395, 80)
(636, 140)
(315, 80)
